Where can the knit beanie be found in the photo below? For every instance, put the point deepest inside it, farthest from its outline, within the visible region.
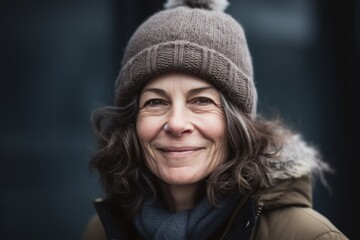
(193, 37)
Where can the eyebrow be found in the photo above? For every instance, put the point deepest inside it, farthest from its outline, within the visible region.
(163, 93)
(198, 90)
(156, 90)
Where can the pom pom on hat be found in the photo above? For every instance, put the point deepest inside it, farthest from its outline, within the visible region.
(215, 5)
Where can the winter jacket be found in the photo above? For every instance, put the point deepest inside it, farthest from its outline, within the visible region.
(285, 211)
(282, 212)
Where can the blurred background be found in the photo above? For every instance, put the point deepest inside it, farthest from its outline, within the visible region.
(59, 60)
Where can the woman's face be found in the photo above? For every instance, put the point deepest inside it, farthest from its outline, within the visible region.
(181, 128)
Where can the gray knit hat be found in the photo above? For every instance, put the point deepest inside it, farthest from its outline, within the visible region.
(194, 37)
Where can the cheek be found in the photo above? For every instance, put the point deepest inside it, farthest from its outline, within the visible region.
(145, 133)
(214, 127)
(142, 130)
(147, 129)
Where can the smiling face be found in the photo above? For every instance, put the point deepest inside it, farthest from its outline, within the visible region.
(181, 128)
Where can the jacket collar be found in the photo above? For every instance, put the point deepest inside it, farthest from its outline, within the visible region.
(290, 174)
(286, 192)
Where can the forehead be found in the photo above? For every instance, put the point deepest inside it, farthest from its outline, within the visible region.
(177, 81)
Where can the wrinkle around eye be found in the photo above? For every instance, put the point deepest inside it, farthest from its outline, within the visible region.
(146, 112)
(211, 108)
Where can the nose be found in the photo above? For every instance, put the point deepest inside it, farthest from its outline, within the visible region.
(178, 121)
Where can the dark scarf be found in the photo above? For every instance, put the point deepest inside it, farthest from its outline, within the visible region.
(153, 221)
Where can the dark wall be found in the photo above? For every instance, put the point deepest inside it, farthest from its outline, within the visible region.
(55, 58)
(339, 49)
(59, 60)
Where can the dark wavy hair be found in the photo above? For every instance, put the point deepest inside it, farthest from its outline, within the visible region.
(125, 178)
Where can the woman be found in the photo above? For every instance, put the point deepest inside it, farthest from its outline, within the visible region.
(183, 154)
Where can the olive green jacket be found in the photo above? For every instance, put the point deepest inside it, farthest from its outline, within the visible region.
(284, 211)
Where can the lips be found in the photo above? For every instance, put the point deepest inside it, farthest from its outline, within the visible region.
(179, 149)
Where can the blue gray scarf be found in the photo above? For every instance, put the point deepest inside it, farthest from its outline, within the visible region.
(154, 222)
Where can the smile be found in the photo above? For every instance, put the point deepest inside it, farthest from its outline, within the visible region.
(180, 150)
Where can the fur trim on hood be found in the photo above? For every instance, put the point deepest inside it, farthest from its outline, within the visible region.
(295, 160)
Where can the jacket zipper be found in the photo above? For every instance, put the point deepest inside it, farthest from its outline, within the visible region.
(258, 211)
(257, 216)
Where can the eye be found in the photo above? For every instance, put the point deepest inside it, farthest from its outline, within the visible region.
(154, 103)
(202, 101)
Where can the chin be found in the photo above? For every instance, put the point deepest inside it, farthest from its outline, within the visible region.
(176, 179)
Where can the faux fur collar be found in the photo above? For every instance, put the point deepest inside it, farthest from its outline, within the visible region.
(295, 160)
